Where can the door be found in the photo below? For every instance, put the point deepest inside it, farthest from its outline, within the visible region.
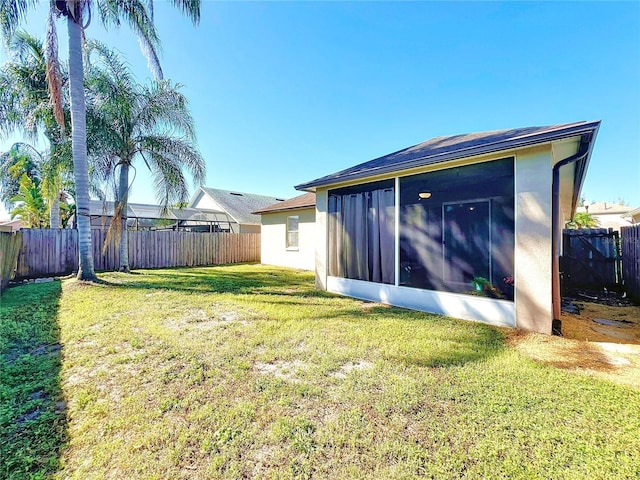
(466, 241)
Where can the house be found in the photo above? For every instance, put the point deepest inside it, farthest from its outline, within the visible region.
(467, 226)
(288, 233)
(609, 214)
(152, 217)
(239, 206)
(634, 216)
(10, 226)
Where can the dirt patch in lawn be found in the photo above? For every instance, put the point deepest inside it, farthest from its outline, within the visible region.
(609, 349)
(348, 367)
(622, 323)
(281, 369)
(619, 363)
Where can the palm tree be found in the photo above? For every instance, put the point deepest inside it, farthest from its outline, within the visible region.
(77, 12)
(46, 173)
(140, 122)
(25, 108)
(30, 204)
(21, 159)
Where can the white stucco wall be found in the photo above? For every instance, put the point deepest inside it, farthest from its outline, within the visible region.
(273, 240)
(533, 246)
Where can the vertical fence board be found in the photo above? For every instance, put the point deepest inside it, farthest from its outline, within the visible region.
(631, 260)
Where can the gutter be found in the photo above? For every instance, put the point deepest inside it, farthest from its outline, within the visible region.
(582, 153)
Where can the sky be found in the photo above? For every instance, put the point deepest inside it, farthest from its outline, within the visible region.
(286, 92)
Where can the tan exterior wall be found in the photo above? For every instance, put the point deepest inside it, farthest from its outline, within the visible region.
(273, 240)
(533, 230)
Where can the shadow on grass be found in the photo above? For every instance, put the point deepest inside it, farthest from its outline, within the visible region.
(251, 280)
(33, 425)
(407, 336)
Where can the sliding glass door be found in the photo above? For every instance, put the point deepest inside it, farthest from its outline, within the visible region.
(466, 241)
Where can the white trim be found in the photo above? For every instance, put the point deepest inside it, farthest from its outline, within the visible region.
(515, 276)
(466, 307)
(288, 231)
(396, 227)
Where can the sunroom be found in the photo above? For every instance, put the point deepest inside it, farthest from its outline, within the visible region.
(466, 226)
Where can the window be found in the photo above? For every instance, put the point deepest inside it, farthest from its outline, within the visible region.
(361, 232)
(457, 230)
(292, 232)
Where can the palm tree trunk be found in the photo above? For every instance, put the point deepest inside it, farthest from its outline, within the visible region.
(123, 195)
(54, 211)
(79, 149)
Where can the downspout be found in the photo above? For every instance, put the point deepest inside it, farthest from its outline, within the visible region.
(555, 237)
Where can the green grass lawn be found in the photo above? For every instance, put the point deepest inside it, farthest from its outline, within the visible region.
(249, 372)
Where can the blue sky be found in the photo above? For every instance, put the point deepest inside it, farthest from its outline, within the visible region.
(285, 92)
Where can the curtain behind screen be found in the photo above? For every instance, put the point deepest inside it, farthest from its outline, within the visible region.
(361, 235)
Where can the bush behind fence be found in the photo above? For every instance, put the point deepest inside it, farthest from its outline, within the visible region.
(48, 252)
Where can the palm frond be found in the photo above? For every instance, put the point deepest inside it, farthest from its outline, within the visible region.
(54, 77)
(190, 7)
(150, 53)
(165, 107)
(24, 46)
(12, 14)
(135, 13)
(170, 185)
(177, 151)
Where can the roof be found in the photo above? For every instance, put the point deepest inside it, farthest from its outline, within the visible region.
(442, 149)
(634, 213)
(606, 208)
(240, 205)
(141, 210)
(308, 200)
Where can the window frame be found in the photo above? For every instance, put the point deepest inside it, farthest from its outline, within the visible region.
(289, 244)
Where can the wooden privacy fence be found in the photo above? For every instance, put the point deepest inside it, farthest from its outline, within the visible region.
(591, 258)
(47, 252)
(9, 247)
(630, 237)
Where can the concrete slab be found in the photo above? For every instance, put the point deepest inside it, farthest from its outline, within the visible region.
(612, 323)
(613, 333)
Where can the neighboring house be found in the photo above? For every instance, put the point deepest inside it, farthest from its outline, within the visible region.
(151, 217)
(610, 215)
(288, 233)
(467, 225)
(238, 205)
(634, 215)
(11, 225)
